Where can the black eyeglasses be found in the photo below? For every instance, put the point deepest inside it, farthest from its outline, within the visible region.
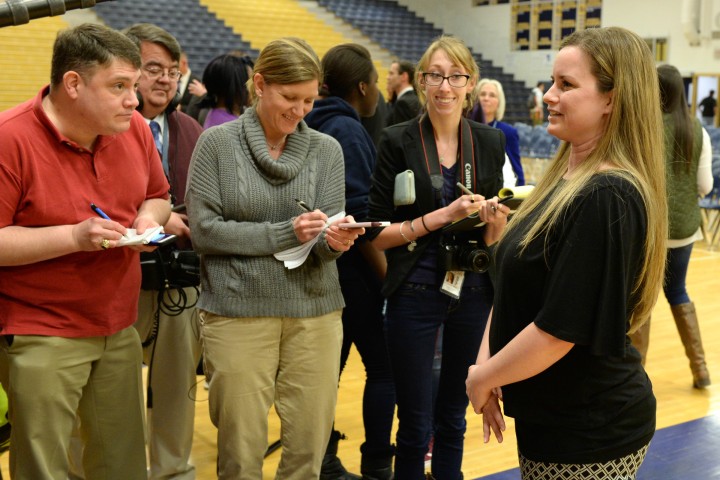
(154, 72)
(435, 79)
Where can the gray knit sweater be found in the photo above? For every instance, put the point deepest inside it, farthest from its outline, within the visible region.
(241, 205)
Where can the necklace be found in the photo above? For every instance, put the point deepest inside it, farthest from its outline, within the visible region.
(277, 145)
(442, 155)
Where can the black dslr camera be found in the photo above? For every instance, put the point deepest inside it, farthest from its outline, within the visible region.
(466, 255)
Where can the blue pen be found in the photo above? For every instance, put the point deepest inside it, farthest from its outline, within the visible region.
(99, 211)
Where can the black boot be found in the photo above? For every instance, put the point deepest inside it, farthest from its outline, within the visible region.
(332, 468)
(377, 466)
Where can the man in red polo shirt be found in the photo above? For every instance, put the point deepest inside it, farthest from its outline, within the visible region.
(68, 291)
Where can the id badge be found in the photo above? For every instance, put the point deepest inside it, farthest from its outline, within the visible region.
(452, 283)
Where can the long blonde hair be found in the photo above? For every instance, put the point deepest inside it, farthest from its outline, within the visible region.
(632, 144)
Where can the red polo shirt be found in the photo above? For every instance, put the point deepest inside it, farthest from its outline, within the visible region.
(47, 179)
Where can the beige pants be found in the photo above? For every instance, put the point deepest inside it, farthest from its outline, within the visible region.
(52, 378)
(255, 362)
(172, 360)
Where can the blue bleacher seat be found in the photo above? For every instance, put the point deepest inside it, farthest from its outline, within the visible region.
(200, 33)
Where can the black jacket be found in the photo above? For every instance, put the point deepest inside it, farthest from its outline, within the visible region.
(400, 149)
(407, 107)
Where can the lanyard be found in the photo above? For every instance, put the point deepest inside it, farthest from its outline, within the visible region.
(467, 174)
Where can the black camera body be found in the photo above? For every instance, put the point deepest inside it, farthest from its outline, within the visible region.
(466, 255)
(167, 268)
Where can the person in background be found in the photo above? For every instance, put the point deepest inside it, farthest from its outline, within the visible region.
(68, 289)
(688, 159)
(536, 110)
(578, 267)
(492, 100)
(708, 107)
(186, 78)
(375, 123)
(349, 93)
(267, 329)
(167, 319)
(227, 96)
(405, 102)
(427, 285)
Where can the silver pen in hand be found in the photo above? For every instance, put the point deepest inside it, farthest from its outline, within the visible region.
(303, 205)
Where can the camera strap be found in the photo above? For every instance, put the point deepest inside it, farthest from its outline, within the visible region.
(466, 174)
(453, 280)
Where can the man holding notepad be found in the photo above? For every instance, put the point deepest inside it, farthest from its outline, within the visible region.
(68, 293)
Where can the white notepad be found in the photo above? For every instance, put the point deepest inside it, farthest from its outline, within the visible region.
(132, 237)
(296, 256)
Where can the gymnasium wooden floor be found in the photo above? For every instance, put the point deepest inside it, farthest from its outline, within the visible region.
(686, 445)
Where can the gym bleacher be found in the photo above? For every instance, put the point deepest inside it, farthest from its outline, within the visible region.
(207, 28)
(407, 35)
(201, 33)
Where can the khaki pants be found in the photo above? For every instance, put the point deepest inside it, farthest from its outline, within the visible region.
(255, 362)
(50, 379)
(172, 359)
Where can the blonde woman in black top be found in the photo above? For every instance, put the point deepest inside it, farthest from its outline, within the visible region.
(579, 266)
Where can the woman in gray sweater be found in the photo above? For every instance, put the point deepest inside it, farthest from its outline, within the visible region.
(270, 333)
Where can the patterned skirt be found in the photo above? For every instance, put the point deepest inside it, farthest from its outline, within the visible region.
(623, 468)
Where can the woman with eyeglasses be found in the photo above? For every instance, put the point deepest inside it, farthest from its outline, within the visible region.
(437, 277)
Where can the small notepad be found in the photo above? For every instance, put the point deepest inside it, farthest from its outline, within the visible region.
(296, 256)
(518, 193)
(132, 237)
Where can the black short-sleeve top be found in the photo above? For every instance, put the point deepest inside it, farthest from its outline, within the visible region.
(576, 283)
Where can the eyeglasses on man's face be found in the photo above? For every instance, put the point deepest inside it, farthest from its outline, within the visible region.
(435, 79)
(155, 72)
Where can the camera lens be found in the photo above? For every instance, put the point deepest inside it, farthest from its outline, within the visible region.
(473, 258)
(477, 260)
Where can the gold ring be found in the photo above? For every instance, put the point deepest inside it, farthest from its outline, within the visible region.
(472, 198)
(346, 242)
(105, 244)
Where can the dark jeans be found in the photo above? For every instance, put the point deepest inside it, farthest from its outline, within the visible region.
(414, 314)
(363, 325)
(675, 274)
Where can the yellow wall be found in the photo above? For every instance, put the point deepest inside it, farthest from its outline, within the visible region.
(25, 56)
(261, 22)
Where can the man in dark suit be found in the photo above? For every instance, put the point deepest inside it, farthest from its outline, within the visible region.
(187, 79)
(400, 81)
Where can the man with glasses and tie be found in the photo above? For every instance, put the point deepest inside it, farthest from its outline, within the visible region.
(170, 336)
